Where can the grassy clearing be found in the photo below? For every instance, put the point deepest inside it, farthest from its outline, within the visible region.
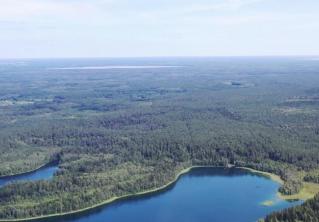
(308, 191)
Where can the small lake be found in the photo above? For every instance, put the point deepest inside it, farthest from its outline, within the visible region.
(43, 173)
(202, 195)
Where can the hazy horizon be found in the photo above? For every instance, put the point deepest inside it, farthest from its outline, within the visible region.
(309, 57)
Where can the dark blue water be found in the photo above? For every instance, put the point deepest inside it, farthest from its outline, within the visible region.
(204, 194)
(43, 173)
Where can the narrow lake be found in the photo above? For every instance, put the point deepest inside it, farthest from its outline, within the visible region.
(203, 194)
(43, 173)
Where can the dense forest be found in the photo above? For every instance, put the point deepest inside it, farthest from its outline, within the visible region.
(308, 211)
(114, 132)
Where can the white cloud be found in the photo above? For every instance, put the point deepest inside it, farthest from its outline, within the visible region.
(224, 5)
(28, 10)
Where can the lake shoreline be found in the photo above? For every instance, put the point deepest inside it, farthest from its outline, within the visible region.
(27, 172)
(308, 191)
(271, 176)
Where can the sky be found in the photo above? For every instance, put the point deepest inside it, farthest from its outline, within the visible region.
(143, 28)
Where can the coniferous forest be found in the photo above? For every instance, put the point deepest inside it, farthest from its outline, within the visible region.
(309, 211)
(119, 131)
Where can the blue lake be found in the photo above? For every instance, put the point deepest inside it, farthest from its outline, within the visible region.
(43, 173)
(203, 194)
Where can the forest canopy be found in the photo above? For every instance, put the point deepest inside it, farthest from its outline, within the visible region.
(120, 131)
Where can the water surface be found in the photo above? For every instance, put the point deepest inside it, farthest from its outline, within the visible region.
(203, 194)
(43, 173)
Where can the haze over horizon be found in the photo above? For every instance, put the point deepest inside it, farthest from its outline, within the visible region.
(123, 28)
